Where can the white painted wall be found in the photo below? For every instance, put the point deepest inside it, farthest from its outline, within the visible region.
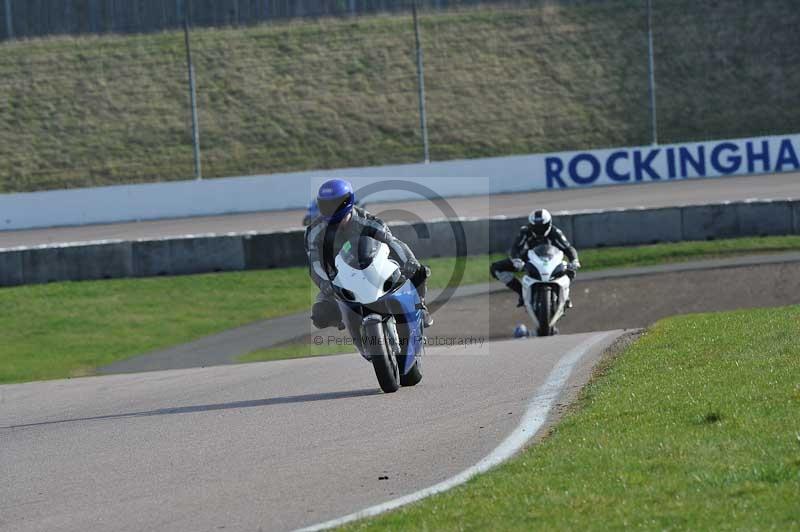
(450, 178)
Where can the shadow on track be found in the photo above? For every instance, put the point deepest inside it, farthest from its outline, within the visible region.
(308, 398)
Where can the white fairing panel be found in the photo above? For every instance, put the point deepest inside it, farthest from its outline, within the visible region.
(546, 264)
(366, 284)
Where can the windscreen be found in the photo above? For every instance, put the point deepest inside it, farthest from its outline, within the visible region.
(358, 253)
(546, 251)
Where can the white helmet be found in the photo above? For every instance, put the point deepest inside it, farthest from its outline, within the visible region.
(540, 222)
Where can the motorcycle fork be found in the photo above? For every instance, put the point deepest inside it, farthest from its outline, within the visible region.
(364, 341)
(555, 288)
(392, 336)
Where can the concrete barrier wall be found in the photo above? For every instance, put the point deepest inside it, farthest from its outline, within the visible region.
(11, 272)
(796, 217)
(218, 253)
(274, 250)
(625, 227)
(469, 177)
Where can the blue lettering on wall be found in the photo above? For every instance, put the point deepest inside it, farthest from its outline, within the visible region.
(641, 165)
(786, 155)
(698, 164)
(553, 168)
(595, 169)
(611, 169)
(731, 164)
(754, 156)
(671, 163)
(624, 165)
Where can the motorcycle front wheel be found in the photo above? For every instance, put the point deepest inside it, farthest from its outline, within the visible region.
(544, 310)
(384, 364)
(414, 375)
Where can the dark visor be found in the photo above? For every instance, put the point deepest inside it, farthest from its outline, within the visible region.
(329, 207)
(539, 228)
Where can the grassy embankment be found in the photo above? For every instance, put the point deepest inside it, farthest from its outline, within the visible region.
(342, 92)
(68, 329)
(694, 427)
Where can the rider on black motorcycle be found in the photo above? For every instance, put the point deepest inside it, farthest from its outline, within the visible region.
(539, 230)
(341, 221)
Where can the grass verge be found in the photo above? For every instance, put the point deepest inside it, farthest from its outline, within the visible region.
(68, 329)
(603, 258)
(694, 427)
(296, 350)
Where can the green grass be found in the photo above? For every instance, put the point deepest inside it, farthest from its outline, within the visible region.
(603, 258)
(297, 350)
(476, 268)
(332, 93)
(69, 329)
(694, 427)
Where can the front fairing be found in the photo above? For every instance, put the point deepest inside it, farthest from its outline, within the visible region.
(545, 262)
(403, 304)
(364, 282)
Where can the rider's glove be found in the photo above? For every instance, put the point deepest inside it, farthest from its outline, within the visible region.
(326, 287)
(572, 268)
(519, 264)
(410, 268)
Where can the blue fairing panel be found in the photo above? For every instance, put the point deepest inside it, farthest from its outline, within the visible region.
(408, 298)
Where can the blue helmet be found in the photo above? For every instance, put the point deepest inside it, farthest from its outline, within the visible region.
(520, 331)
(335, 200)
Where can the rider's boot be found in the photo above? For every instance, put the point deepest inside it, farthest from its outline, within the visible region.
(422, 291)
(427, 319)
(516, 286)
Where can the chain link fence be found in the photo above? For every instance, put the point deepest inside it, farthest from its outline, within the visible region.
(37, 18)
(325, 92)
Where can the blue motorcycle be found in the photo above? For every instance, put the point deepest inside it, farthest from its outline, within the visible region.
(311, 213)
(382, 312)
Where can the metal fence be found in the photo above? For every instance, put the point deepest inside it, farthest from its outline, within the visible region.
(517, 77)
(37, 18)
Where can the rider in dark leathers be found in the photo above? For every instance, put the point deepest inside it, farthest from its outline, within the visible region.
(342, 222)
(539, 230)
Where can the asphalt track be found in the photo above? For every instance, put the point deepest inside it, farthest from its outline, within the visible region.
(687, 192)
(281, 445)
(270, 446)
(618, 298)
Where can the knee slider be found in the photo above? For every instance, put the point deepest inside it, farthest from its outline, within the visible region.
(325, 314)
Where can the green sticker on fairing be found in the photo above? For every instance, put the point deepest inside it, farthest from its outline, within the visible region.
(346, 247)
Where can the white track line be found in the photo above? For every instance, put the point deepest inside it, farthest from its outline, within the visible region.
(533, 419)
